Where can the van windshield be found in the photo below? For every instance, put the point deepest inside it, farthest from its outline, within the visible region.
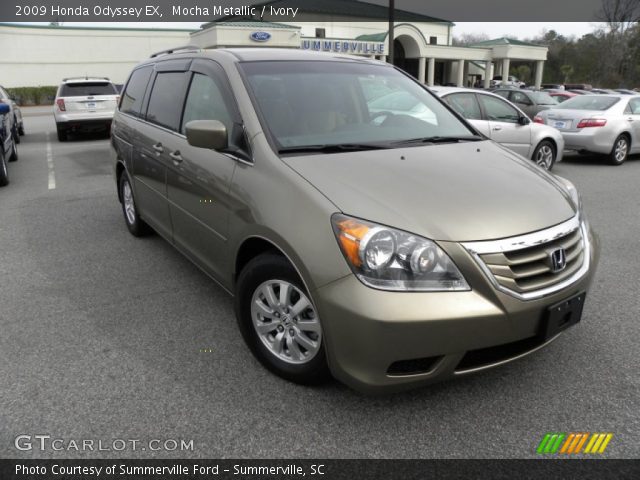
(324, 104)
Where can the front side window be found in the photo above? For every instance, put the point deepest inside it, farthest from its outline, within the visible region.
(498, 110)
(165, 103)
(311, 103)
(131, 102)
(465, 104)
(205, 101)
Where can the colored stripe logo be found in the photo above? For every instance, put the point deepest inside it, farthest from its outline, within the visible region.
(573, 443)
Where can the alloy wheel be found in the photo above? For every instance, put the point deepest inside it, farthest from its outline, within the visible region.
(544, 157)
(129, 206)
(286, 321)
(620, 151)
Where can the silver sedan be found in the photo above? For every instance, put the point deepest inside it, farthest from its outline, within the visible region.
(606, 124)
(506, 124)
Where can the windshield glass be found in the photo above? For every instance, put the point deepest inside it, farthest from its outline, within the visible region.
(589, 102)
(323, 103)
(543, 98)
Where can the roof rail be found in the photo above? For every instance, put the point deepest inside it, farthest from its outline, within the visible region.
(186, 48)
(86, 77)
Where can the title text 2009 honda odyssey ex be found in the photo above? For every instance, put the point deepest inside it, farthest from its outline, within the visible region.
(389, 249)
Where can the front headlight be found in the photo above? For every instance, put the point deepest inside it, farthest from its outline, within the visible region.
(389, 259)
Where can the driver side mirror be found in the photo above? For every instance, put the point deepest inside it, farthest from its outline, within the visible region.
(211, 134)
(523, 121)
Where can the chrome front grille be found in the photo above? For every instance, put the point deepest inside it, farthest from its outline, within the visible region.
(530, 269)
(523, 266)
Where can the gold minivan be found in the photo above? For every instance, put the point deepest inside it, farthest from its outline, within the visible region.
(388, 248)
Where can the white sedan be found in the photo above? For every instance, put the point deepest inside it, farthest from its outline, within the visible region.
(606, 124)
(506, 124)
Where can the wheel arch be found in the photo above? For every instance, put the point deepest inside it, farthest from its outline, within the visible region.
(120, 168)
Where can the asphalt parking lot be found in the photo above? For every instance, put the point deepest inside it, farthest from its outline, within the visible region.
(104, 336)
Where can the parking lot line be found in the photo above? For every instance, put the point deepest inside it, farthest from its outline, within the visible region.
(52, 174)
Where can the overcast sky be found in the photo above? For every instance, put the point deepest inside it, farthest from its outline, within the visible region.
(519, 30)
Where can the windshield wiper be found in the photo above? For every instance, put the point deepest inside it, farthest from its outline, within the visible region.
(440, 139)
(333, 148)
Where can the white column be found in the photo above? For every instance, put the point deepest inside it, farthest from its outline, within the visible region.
(460, 82)
(422, 64)
(488, 74)
(431, 74)
(383, 58)
(372, 56)
(506, 63)
(539, 71)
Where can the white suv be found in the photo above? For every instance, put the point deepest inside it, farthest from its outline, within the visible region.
(84, 104)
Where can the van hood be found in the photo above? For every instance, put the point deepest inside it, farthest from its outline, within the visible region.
(450, 192)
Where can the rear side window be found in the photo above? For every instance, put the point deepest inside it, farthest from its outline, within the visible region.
(465, 104)
(85, 89)
(205, 102)
(131, 102)
(167, 97)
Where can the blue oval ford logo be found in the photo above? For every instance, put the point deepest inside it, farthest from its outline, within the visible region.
(260, 36)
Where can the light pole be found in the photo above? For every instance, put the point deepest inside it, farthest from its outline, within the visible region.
(392, 8)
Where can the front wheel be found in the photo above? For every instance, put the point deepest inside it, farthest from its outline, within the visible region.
(279, 322)
(620, 150)
(545, 155)
(135, 224)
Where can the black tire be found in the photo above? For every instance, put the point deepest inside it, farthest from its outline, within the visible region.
(14, 153)
(14, 132)
(620, 150)
(540, 155)
(21, 130)
(4, 174)
(62, 134)
(264, 268)
(136, 225)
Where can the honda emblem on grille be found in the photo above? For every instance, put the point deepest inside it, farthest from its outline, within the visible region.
(558, 260)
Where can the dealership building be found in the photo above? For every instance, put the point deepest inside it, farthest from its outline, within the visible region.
(43, 55)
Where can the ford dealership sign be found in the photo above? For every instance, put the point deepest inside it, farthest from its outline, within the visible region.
(260, 36)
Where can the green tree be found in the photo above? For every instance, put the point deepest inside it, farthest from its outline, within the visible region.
(567, 71)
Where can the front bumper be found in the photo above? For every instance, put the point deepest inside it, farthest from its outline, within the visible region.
(373, 337)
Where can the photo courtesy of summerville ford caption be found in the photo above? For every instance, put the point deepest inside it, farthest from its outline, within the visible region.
(389, 249)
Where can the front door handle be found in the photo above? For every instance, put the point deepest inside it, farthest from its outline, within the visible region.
(158, 147)
(497, 128)
(631, 119)
(175, 156)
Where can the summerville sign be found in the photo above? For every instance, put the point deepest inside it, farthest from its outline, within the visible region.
(344, 46)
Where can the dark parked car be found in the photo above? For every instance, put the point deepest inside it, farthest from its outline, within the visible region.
(8, 149)
(528, 101)
(15, 116)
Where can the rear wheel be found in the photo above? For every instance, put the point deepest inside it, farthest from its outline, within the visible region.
(620, 150)
(4, 174)
(278, 320)
(62, 134)
(135, 224)
(21, 129)
(15, 132)
(14, 153)
(545, 155)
